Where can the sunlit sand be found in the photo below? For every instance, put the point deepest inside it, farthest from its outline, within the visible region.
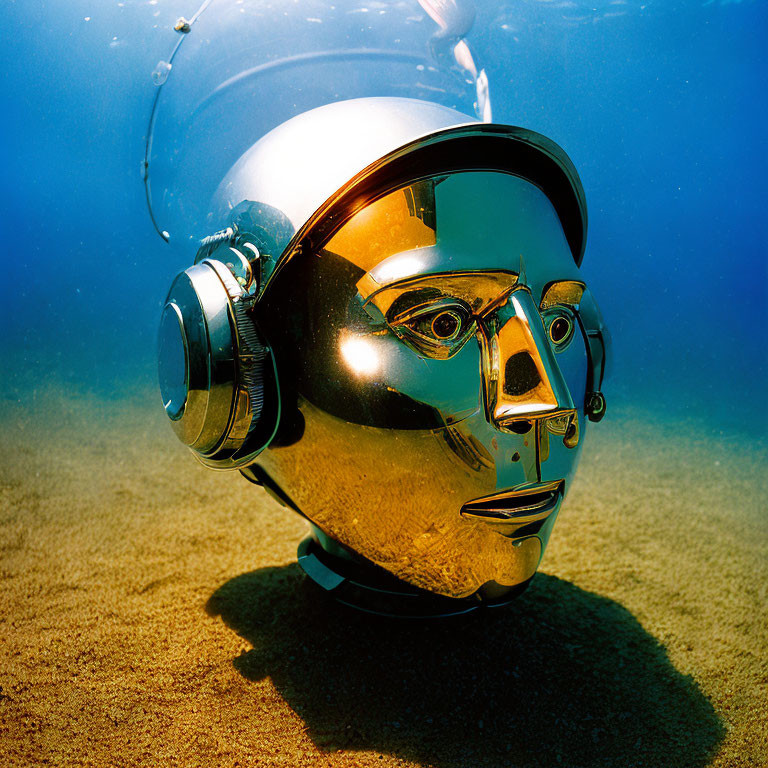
(151, 611)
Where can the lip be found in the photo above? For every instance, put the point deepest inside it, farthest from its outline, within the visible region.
(512, 509)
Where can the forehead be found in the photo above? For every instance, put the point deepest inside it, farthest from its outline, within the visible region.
(469, 221)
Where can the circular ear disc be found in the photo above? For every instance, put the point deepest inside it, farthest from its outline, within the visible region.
(595, 406)
(217, 376)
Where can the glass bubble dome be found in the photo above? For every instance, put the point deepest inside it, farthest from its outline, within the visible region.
(237, 70)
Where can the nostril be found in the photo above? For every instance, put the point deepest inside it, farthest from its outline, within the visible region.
(520, 375)
(520, 427)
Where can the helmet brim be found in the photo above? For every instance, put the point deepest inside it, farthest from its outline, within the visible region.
(470, 147)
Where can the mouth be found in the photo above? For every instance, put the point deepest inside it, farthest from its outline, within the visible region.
(509, 511)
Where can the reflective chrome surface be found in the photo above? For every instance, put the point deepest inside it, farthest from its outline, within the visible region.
(416, 276)
(434, 369)
(173, 361)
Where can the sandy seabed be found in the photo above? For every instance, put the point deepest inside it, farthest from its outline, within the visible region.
(152, 613)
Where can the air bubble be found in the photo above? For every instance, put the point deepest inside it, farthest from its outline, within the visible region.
(160, 73)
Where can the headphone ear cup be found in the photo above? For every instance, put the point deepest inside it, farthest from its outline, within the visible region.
(258, 374)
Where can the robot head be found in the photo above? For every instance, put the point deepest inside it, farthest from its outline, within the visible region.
(403, 349)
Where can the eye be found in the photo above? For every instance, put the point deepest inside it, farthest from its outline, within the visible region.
(559, 325)
(436, 331)
(560, 329)
(444, 325)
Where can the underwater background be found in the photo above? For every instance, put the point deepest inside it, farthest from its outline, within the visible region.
(661, 106)
(152, 611)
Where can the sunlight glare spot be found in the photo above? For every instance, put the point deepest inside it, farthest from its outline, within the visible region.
(359, 355)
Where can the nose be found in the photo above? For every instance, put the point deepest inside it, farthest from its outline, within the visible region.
(522, 379)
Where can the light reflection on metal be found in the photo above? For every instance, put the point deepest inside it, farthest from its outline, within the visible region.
(360, 355)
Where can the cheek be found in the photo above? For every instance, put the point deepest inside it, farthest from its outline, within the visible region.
(452, 387)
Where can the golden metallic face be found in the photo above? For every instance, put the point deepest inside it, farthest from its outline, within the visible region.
(433, 370)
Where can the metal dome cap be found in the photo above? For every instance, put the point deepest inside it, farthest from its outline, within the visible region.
(301, 181)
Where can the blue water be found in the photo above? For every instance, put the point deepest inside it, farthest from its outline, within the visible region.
(660, 105)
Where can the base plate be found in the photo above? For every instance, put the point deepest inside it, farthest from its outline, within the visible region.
(366, 587)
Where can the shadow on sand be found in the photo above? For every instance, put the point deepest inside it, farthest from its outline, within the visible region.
(561, 677)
